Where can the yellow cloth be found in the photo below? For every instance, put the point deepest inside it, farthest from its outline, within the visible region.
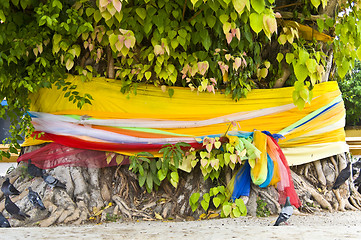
(259, 170)
(263, 109)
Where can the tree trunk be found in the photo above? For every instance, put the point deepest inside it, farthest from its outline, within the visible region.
(113, 193)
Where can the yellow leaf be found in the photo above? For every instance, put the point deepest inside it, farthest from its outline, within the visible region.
(109, 157)
(282, 39)
(69, 64)
(217, 144)
(225, 77)
(202, 216)
(243, 153)
(213, 215)
(119, 159)
(162, 200)
(239, 5)
(158, 216)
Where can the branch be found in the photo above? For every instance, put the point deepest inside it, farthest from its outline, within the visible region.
(286, 73)
(288, 15)
(110, 67)
(195, 15)
(184, 9)
(288, 5)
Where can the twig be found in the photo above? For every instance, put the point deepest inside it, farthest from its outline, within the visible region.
(184, 9)
(288, 5)
(195, 15)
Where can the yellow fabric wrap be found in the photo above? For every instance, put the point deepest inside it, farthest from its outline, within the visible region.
(263, 109)
(259, 170)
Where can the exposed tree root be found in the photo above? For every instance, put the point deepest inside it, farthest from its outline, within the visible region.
(111, 193)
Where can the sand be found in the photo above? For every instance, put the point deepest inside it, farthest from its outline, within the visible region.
(322, 225)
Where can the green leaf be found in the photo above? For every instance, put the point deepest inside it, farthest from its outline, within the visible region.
(97, 16)
(161, 175)
(89, 11)
(175, 176)
(2, 16)
(303, 56)
(182, 33)
(174, 183)
(205, 205)
(206, 197)
(256, 22)
(258, 5)
(236, 212)
(170, 92)
(206, 41)
(300, 103)
(172, 34)
(301, 71)
(69, 64)
(141, 180)
(279, 57)
(194, 198)
(174, 43)
(289, 57)
(148, 75)
(226, 209)
(142, 13)
(311, 65)
(320, 24)
(221, 189)
(149, 181)
(77, 50)
(216, 201)
(141, 170)
(106, 15)
(223, 18)
(241, 206)
(304, 94)
(315, 3)
(113, 39)
(239, 5)
(358, 53)
(211, 20)
(194, 2)
(153, 167)
(57, 38)
(227, 158)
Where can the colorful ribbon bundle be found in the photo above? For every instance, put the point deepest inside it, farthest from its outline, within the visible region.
(145, 121)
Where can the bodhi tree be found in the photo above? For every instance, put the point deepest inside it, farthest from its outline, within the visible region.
(231, 46)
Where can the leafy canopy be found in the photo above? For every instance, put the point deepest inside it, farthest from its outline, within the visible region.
(206, 45)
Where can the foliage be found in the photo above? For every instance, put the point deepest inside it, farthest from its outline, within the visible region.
(220, 153)
(217, 197)
(147, 169)
(152, 172)
(112, 217)
(10, 169)
(226, 45)
(235, 209)
(262, 210)
(351, 94)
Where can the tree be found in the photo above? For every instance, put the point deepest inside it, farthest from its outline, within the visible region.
(219, 45)
(350, 92)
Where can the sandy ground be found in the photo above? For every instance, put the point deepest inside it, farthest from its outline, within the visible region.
(323, 225)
